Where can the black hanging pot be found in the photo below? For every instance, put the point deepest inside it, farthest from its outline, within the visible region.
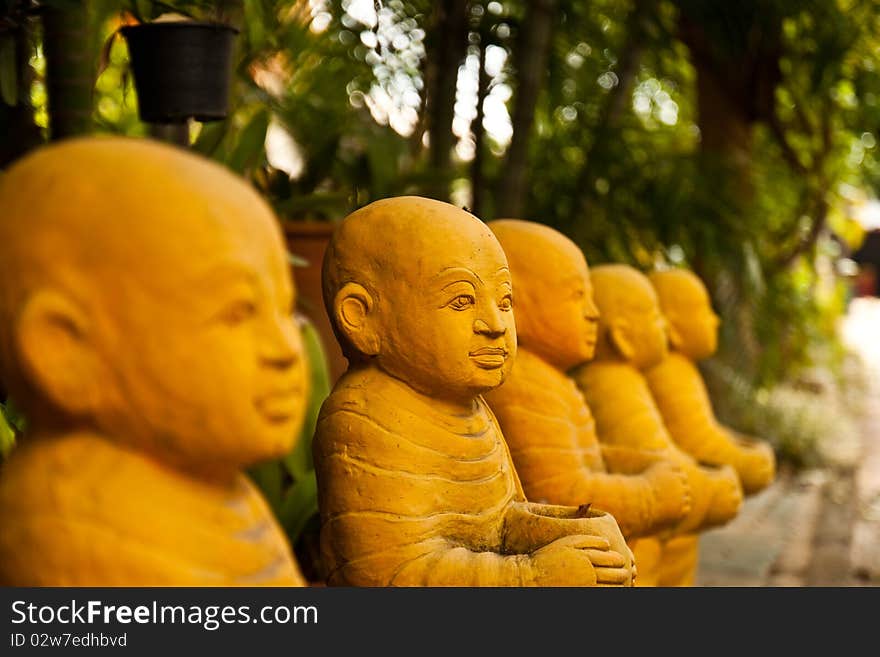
(181, 69)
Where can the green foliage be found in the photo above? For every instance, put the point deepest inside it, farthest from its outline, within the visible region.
(7, 434)
(12, 425)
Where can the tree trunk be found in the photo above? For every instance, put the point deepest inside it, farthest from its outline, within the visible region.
(17, 122)
(70, 68)
(477, 177)
(725, 134)
(445, 51)
(532, 53)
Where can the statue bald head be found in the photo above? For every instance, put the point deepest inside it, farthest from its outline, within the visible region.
(123, 263)
(422, 288)
(556, 317)
(631, 327)
(693, 326)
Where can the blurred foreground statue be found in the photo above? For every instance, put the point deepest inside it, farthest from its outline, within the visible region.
(415, 482)
(545, 419)
(146, 332)
(683, 401)
(632, 339)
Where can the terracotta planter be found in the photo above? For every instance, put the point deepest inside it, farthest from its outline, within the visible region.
(181, 70)
(308, 240)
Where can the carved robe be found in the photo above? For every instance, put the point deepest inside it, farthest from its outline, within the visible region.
(94, 513)
(626, 414)
(559, 459)
(412, 496)
(682, 399)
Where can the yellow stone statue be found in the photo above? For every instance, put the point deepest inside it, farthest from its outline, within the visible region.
(632, 339)
(680, 393)
(415, 482)
(546, 422)
(146, 332)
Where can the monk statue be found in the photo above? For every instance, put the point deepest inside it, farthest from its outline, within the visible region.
(680, 393)
(146, 333)
(631, 340)
(546, 422)
(415, 482)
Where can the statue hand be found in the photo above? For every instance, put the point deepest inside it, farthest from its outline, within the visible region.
(580, 558)
(727, 498)
(757, 467)
(672, 493)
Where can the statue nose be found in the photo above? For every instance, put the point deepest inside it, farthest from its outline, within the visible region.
(282, 344)
(482, 327)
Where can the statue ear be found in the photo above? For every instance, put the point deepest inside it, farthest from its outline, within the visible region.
(353, 311)
(57, 352)
(618, 333)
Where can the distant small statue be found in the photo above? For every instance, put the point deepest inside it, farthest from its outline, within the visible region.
(415, 482)
(146, 333)
(545, 419)
(632, 339)
(678, 388)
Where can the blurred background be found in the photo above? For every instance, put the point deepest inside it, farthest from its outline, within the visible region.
(737, 139)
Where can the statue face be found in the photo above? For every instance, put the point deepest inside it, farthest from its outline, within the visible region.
(447, 322)
(631, 322)
(696, 324)
(157, 313)
(211, 359)
(556, 314)
(646, 328)
(688, 309)
(565, 326)
(221, 365)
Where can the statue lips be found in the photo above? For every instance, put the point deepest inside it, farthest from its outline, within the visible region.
(280, 405)
(489, 358)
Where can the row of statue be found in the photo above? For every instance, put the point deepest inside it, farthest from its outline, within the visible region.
(509, 417)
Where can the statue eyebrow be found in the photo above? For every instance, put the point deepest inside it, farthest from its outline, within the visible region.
(452, 270)
(228, 273)
(456, 282)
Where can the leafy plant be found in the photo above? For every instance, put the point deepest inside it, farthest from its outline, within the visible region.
(12, 425)
(7, 434)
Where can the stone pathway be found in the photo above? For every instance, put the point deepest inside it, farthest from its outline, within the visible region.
(816, 527)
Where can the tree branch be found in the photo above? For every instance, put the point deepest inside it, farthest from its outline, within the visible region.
(788, 152)
(477, 176)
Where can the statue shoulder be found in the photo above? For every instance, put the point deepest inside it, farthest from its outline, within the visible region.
(604, 374)
(363, 410)
(531, 377)
(675, 364)
(676, 377)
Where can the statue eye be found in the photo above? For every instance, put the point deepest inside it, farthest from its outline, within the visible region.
(238, 312)
(506, 302)
(462, 301)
